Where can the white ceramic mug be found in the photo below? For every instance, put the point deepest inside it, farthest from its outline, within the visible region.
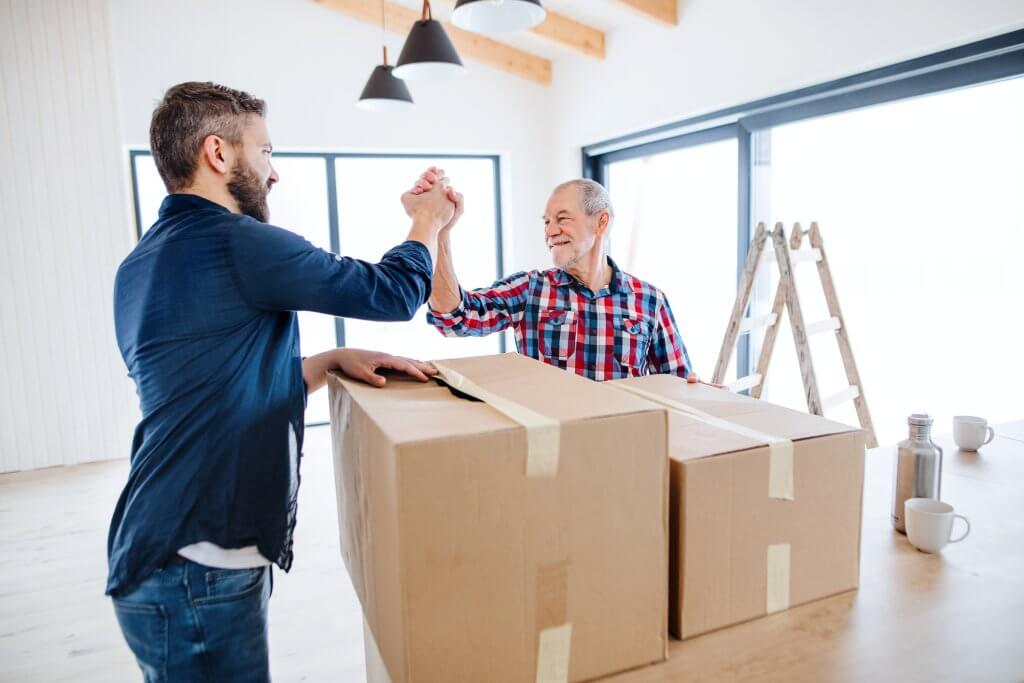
(971, 433)
(930, 524)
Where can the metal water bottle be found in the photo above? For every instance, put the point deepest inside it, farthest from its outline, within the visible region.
(918, 468)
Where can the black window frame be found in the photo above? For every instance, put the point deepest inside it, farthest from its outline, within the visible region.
(984, 61)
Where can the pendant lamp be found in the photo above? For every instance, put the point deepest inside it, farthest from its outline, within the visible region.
(384, 92)
(497, 16)
(428, 53)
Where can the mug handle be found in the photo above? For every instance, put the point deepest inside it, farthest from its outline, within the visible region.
(991, 435)
(967, 522)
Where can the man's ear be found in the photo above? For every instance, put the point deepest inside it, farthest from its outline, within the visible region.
(603, 220)
(216, 154)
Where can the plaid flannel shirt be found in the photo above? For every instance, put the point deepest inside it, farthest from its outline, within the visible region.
(624, 330)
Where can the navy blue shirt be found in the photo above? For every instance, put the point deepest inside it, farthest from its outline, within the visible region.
(204, 309)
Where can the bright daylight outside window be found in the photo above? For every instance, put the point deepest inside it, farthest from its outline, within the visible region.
(370, 221)
(675, 227)
(921, 209)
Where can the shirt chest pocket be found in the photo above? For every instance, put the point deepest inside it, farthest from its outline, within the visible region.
(633, 339)
(557, 332)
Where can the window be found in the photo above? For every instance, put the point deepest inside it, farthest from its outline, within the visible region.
(349, 204)
(675, 227)
(912, 172)
(372, 220)
(922, 217)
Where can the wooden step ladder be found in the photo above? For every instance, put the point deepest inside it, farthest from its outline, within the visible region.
(787, 256)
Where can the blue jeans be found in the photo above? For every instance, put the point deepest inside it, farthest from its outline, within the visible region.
(189, 622)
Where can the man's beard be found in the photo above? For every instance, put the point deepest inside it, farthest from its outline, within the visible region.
(249, 192)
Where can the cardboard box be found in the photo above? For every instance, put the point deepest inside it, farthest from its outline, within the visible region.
(478, 559)
(740, 548)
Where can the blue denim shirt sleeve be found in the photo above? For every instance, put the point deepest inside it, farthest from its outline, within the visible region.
(279, 270)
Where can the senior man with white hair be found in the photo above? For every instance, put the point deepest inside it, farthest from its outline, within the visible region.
(585, 315)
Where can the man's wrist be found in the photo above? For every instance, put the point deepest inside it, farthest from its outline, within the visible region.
(428, 219)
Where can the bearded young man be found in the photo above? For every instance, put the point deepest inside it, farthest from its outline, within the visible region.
(204, 310)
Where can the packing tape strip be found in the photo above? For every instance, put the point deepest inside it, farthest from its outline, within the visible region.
(777, 588)
(543, 433)
(780, 450)
(555, 631)
(553, 654)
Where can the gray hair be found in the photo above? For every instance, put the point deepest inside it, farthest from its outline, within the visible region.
(593, 197)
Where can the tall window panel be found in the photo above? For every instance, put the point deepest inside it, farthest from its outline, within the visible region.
(675, 227)
(922, 214)
(371, 221)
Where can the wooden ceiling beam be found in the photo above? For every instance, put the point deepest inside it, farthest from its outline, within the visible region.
(400, 19)
(572, 34)
(662, 11)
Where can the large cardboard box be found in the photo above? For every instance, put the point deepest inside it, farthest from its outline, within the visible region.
(478, 558)
(755, 528)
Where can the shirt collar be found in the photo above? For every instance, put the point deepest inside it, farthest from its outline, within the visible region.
(177, 203)
(619, 282)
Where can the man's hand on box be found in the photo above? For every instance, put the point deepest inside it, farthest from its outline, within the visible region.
(367, 366)
(362, 365)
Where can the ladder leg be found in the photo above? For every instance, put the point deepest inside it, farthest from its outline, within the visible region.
(768, 345)
(739, 308)
(796, 320)
(842, 337)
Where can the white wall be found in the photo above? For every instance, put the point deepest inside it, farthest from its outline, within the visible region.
(310, 64)
(727, 52)
(64, 394)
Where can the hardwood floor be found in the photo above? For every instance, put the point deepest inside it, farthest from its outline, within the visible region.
(56, 624)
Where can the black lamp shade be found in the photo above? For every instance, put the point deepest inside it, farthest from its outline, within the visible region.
(384, 92)
(497, 16)
(428, 54)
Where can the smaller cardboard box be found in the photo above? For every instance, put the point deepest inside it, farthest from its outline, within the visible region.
(755, 528)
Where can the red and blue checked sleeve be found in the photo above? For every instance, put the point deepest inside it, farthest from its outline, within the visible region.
(486, 310)
(667, 354)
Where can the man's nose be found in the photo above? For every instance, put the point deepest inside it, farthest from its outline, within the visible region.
(273, 177)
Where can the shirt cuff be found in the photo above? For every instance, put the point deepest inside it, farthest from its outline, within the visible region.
(450, 318)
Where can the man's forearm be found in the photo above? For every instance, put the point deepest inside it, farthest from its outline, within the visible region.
(445, 293)
(315, 369)
(424, 230)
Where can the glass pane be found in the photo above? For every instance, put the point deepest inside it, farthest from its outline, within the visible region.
(675, 227)
(298, 202)
(372, 220)
(922, 216)
(149, 190)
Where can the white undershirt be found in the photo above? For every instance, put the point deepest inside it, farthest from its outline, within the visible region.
(212, 555)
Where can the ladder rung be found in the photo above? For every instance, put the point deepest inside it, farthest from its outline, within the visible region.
(823, 326)
(847, 394)
(748, 324)
(799, 256)
(748, 382)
